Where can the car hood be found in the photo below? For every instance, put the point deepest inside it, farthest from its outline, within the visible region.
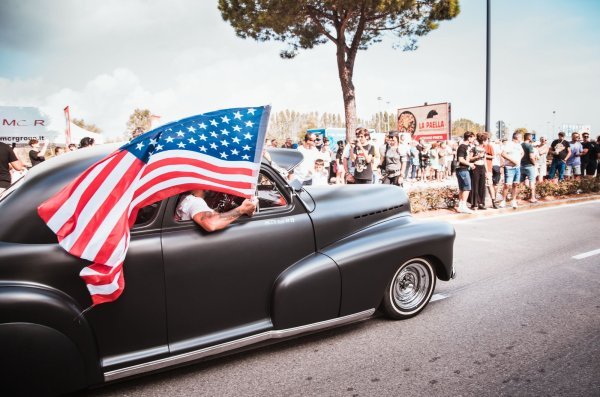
(341, 210)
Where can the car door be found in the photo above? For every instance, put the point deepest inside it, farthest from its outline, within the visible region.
(219, 285)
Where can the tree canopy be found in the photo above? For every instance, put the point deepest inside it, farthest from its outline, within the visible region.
(351, 25)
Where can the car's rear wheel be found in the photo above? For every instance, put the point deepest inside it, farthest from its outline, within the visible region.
(410, 289)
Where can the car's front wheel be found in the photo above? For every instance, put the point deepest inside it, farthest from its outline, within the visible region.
(410, 289)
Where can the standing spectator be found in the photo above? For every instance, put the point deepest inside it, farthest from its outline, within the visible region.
(288, 144)
(391, 161)
(8, 159)
(512, 152)
(326, 155)
(414, 161)
(477, 157)
(598, 156)
(450, 157)
(560, 154)
(339, 164)
(305, 170)
(347, 161)
(434, 158)
(59, 150)
(442, 159)
(362, 156)
(36, 155)
(492, 168)
(320, 175)
(462, 171)
(573, 169)
(72, 147)
(404, 150)
(86, 142)
(589, 158)
(424, 161)
(528, 162)
(542, 166)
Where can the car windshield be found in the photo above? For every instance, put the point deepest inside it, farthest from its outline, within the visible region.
(12, 188)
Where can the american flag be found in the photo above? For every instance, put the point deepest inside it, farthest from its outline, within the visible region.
(92, 216)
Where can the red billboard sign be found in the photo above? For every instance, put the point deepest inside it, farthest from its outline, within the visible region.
(430, 122)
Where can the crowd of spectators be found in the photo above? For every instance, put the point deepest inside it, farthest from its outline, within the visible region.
(15, 162)
(486, 170)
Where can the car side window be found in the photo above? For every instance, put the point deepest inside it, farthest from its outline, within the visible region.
(269, 194)
(146, 214)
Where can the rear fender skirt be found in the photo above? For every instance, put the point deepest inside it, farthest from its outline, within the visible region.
(307, 292)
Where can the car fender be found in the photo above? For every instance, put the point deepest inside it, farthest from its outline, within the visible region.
(369, 258)
(45, 340)
(307, 292)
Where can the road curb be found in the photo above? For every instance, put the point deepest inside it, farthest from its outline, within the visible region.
(448, 214)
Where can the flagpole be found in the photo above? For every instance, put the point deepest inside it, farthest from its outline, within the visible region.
(68, 127)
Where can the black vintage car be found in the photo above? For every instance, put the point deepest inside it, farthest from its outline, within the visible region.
(310, 258)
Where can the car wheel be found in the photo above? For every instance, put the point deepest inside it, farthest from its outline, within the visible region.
(409, 290)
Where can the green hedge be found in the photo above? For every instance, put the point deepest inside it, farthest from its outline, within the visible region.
(435, 198)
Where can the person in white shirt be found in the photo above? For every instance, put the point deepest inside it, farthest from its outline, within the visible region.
(512, 152)
(194, 207)
(305, 170)
(320, 175)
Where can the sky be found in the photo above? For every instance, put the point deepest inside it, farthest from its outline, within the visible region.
(179, 58)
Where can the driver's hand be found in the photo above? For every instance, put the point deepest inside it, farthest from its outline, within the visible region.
(248, 207)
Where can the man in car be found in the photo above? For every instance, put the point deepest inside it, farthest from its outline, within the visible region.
(193, 206)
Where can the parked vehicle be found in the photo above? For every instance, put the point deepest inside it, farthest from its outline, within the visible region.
(311, 258)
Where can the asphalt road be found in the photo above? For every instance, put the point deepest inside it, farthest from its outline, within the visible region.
(522, 319)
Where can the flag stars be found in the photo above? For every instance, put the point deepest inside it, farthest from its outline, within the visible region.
(169, 139)
(247, 135)
(139, 146)
(191, 129)
(152, 142)
(251, 111)
(202, 125)
(234, 152)
(237, 115)
(203, 148)
(246, 147)
(237, 128)
(225, 119)
(159, 147)
(224, 131)
(181, 145)
(213, 122)
(202, 137)
(224, 143)
(249, 123)
(224, 155)
(214, 134)
(213, 146)
(180, 133)
(235, 140)
(192, 141)
(245, 157)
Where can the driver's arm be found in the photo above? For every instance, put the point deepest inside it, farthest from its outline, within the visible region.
(211, 221)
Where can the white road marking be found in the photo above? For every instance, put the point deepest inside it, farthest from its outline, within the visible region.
(587, 254)
(437, 297)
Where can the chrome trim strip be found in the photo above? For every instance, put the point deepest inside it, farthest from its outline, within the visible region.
(235, 344)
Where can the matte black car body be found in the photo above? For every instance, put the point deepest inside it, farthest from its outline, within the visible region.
(321, 259)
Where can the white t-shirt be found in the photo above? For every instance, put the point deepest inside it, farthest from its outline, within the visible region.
(514, 150)
(320, 178)
(305, 170)
(190, 206)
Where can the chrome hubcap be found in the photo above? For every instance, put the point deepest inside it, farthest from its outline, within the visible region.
(411, 286)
